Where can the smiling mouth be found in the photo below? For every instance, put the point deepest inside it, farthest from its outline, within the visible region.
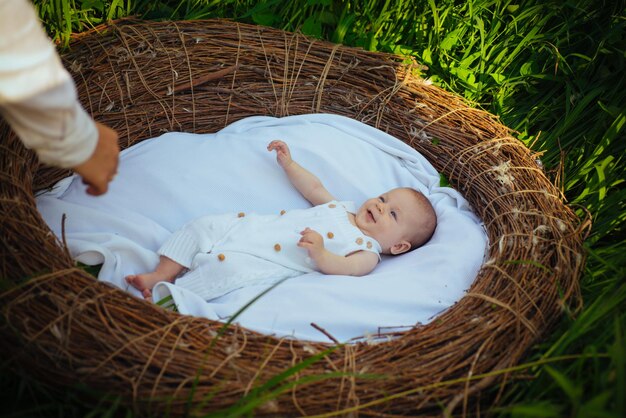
(371, 216)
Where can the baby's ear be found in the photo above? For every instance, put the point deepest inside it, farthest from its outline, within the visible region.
(401, 247)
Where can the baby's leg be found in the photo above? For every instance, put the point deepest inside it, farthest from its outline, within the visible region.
(166, 271)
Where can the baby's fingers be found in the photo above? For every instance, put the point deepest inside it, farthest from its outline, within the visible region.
(276, 145)
(304, 243)
(306, 237)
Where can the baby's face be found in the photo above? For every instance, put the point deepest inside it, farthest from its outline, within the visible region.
(390, 218)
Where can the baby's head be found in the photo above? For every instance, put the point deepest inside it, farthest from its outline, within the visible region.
(400, 220)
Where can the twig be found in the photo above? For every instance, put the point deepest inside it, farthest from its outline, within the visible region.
(326, 333)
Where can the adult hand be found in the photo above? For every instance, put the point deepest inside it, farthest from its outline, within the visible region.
(101, 167)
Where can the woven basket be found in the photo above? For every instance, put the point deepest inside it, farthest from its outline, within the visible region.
(62, 326)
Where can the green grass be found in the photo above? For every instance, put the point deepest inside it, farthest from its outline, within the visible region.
(552, 70)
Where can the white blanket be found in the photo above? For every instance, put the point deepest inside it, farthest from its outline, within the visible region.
(167, 181)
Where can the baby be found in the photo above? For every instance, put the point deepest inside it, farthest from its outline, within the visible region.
(226, 252)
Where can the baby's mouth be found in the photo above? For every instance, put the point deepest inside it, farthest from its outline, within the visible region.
(370, 216)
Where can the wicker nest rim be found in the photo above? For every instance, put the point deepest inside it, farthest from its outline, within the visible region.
(145, 78)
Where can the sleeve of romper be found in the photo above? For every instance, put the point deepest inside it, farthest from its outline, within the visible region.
(37, 95)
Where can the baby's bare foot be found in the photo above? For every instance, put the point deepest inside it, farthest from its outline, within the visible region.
(145, 281)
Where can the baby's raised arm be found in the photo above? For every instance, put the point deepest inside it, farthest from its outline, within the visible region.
(303, 180)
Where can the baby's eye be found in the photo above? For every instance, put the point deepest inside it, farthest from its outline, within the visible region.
(382, 199)
(393, 213)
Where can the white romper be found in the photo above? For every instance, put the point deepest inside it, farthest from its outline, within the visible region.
(228, 252)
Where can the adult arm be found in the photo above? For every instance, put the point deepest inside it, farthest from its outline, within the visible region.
(38, 99)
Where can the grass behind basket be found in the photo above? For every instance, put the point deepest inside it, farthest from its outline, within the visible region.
(552, 70)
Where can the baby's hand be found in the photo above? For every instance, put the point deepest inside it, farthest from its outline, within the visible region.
(312, 241)
(283, 156)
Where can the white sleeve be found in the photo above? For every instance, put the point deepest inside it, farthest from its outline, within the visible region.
(37, 95)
